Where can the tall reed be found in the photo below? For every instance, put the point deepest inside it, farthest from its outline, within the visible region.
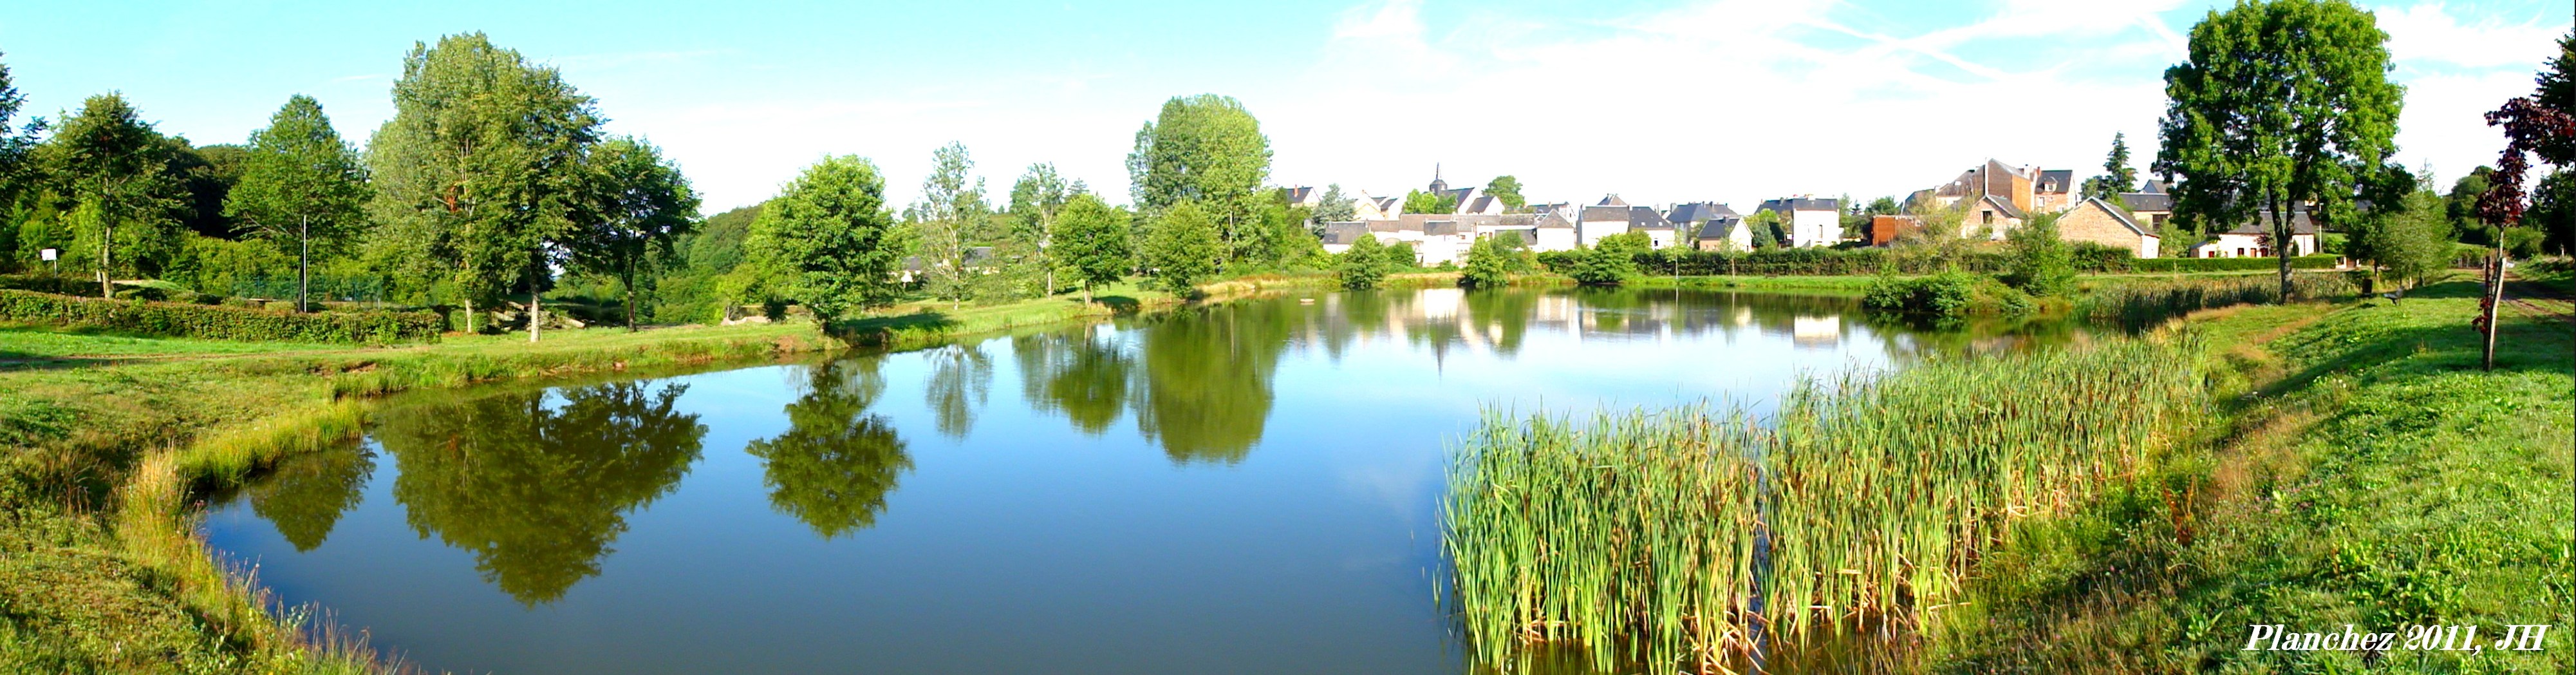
(2143, 305)
(1869, 497)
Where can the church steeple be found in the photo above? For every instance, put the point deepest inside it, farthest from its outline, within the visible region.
(1437, 184)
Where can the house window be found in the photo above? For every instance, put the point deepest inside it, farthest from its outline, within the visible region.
(1990, 217)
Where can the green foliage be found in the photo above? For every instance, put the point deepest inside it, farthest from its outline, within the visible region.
(1205, 149)
(1418, 201)
(1334, 207)
(690, 285)
(115, 169)
(300, 183)
(1609, 264)
(1364, 265)
(1492, 260)
(479, 169)
(1769, 230)
(2138, 306)
(639, 208)
(828, 242)
(216, 322)
(2042, 264)
(1182, 248)
(2407, 241)
(1092, 240)
(2117, 176)
(2553, 212)
(1947, 295)
(944, 221)
(1508, 190)
(2280, 103)
(1037, 203)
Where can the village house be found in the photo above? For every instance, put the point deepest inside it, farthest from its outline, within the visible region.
(2254, 239)
(1712, 226)
(2152, 205)
(1812, 222)
(1601, 220)
(2101, 222)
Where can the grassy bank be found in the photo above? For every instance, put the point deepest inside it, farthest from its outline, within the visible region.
(2371, 475)
(111, 438)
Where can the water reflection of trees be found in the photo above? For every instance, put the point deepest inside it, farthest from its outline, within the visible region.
(537, 492)
(835, 464)
(960, 377)
(305, 495)
(1199, 381)
(1206, 379)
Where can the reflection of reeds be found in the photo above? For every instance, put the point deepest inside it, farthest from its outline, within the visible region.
(1634, 536)
(2146, 304)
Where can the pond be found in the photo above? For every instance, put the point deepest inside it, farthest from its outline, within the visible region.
(1246, 487)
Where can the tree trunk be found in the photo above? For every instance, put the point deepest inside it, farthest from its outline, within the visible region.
(106, 234)
(2494, 297)
(469, 316)
(303, 263)
(630, 298)
(2281, 245)
(1086, 292)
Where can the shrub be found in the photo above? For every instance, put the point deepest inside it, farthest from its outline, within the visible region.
(1949, 294)
(217, 322)
(1603, 267)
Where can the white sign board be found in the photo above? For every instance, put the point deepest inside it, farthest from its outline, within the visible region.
(50, 254)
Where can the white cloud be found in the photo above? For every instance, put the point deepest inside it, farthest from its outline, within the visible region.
(2431, 33)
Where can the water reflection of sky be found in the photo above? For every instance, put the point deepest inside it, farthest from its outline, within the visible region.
(1244, 488)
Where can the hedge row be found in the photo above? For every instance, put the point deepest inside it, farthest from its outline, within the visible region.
(1870, 261)
(217, 322)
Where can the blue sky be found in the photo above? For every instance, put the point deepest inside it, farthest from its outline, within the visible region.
(1731, 100)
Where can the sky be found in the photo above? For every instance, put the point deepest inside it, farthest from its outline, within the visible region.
(1659, 102)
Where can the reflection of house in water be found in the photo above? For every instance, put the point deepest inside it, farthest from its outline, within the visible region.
(1439, 304)
(1816, 331)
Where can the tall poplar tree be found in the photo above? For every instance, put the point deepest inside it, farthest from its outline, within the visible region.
(300, 182)
(1037, 205)
(2282, 103)
(479, 173)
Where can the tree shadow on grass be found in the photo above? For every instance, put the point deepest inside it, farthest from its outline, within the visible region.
(1121, 305)
(13, 360)
(2526, 342)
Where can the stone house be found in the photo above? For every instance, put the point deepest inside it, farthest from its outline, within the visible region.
(2099, 222)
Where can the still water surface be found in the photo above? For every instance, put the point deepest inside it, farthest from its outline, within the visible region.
(1244, 488)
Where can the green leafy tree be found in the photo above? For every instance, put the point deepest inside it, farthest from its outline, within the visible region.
(1333, 207)
(951, 208)
(828, 241)
(1182, 248)
(640, 207)
(479, 171)
(1768, 228)
(2117, 176)
(1037, 207)
(115, 167)
(1205, 149)
(300, 182)
(2281, 103)
(2040, 264)
(1610, 261)
(1364, 265)
(1492, 260)
(836, 462)
(16, 140)
(1092, 240)
(1508, 190)
(2404, 241)
(1418, 201)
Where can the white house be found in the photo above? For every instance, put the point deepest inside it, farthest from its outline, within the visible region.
(1366, 207)
(1599, 222)
(2253, 239)
(1696, 217)
(1812, 222)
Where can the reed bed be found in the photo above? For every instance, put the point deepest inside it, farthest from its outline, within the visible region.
(2144, 305)
(1702, 536)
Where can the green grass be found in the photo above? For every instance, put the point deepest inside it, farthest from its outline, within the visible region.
(2370, 475)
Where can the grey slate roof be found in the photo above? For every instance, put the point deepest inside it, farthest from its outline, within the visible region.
(1645, 218)
(1345, 232)
(1802, 204)
(2262, 224)
(1598, 214)
(1612, 200)
(2003, 206)
(2153, 202)
(1719, 228)
(1700, 212)
(2059, 181)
